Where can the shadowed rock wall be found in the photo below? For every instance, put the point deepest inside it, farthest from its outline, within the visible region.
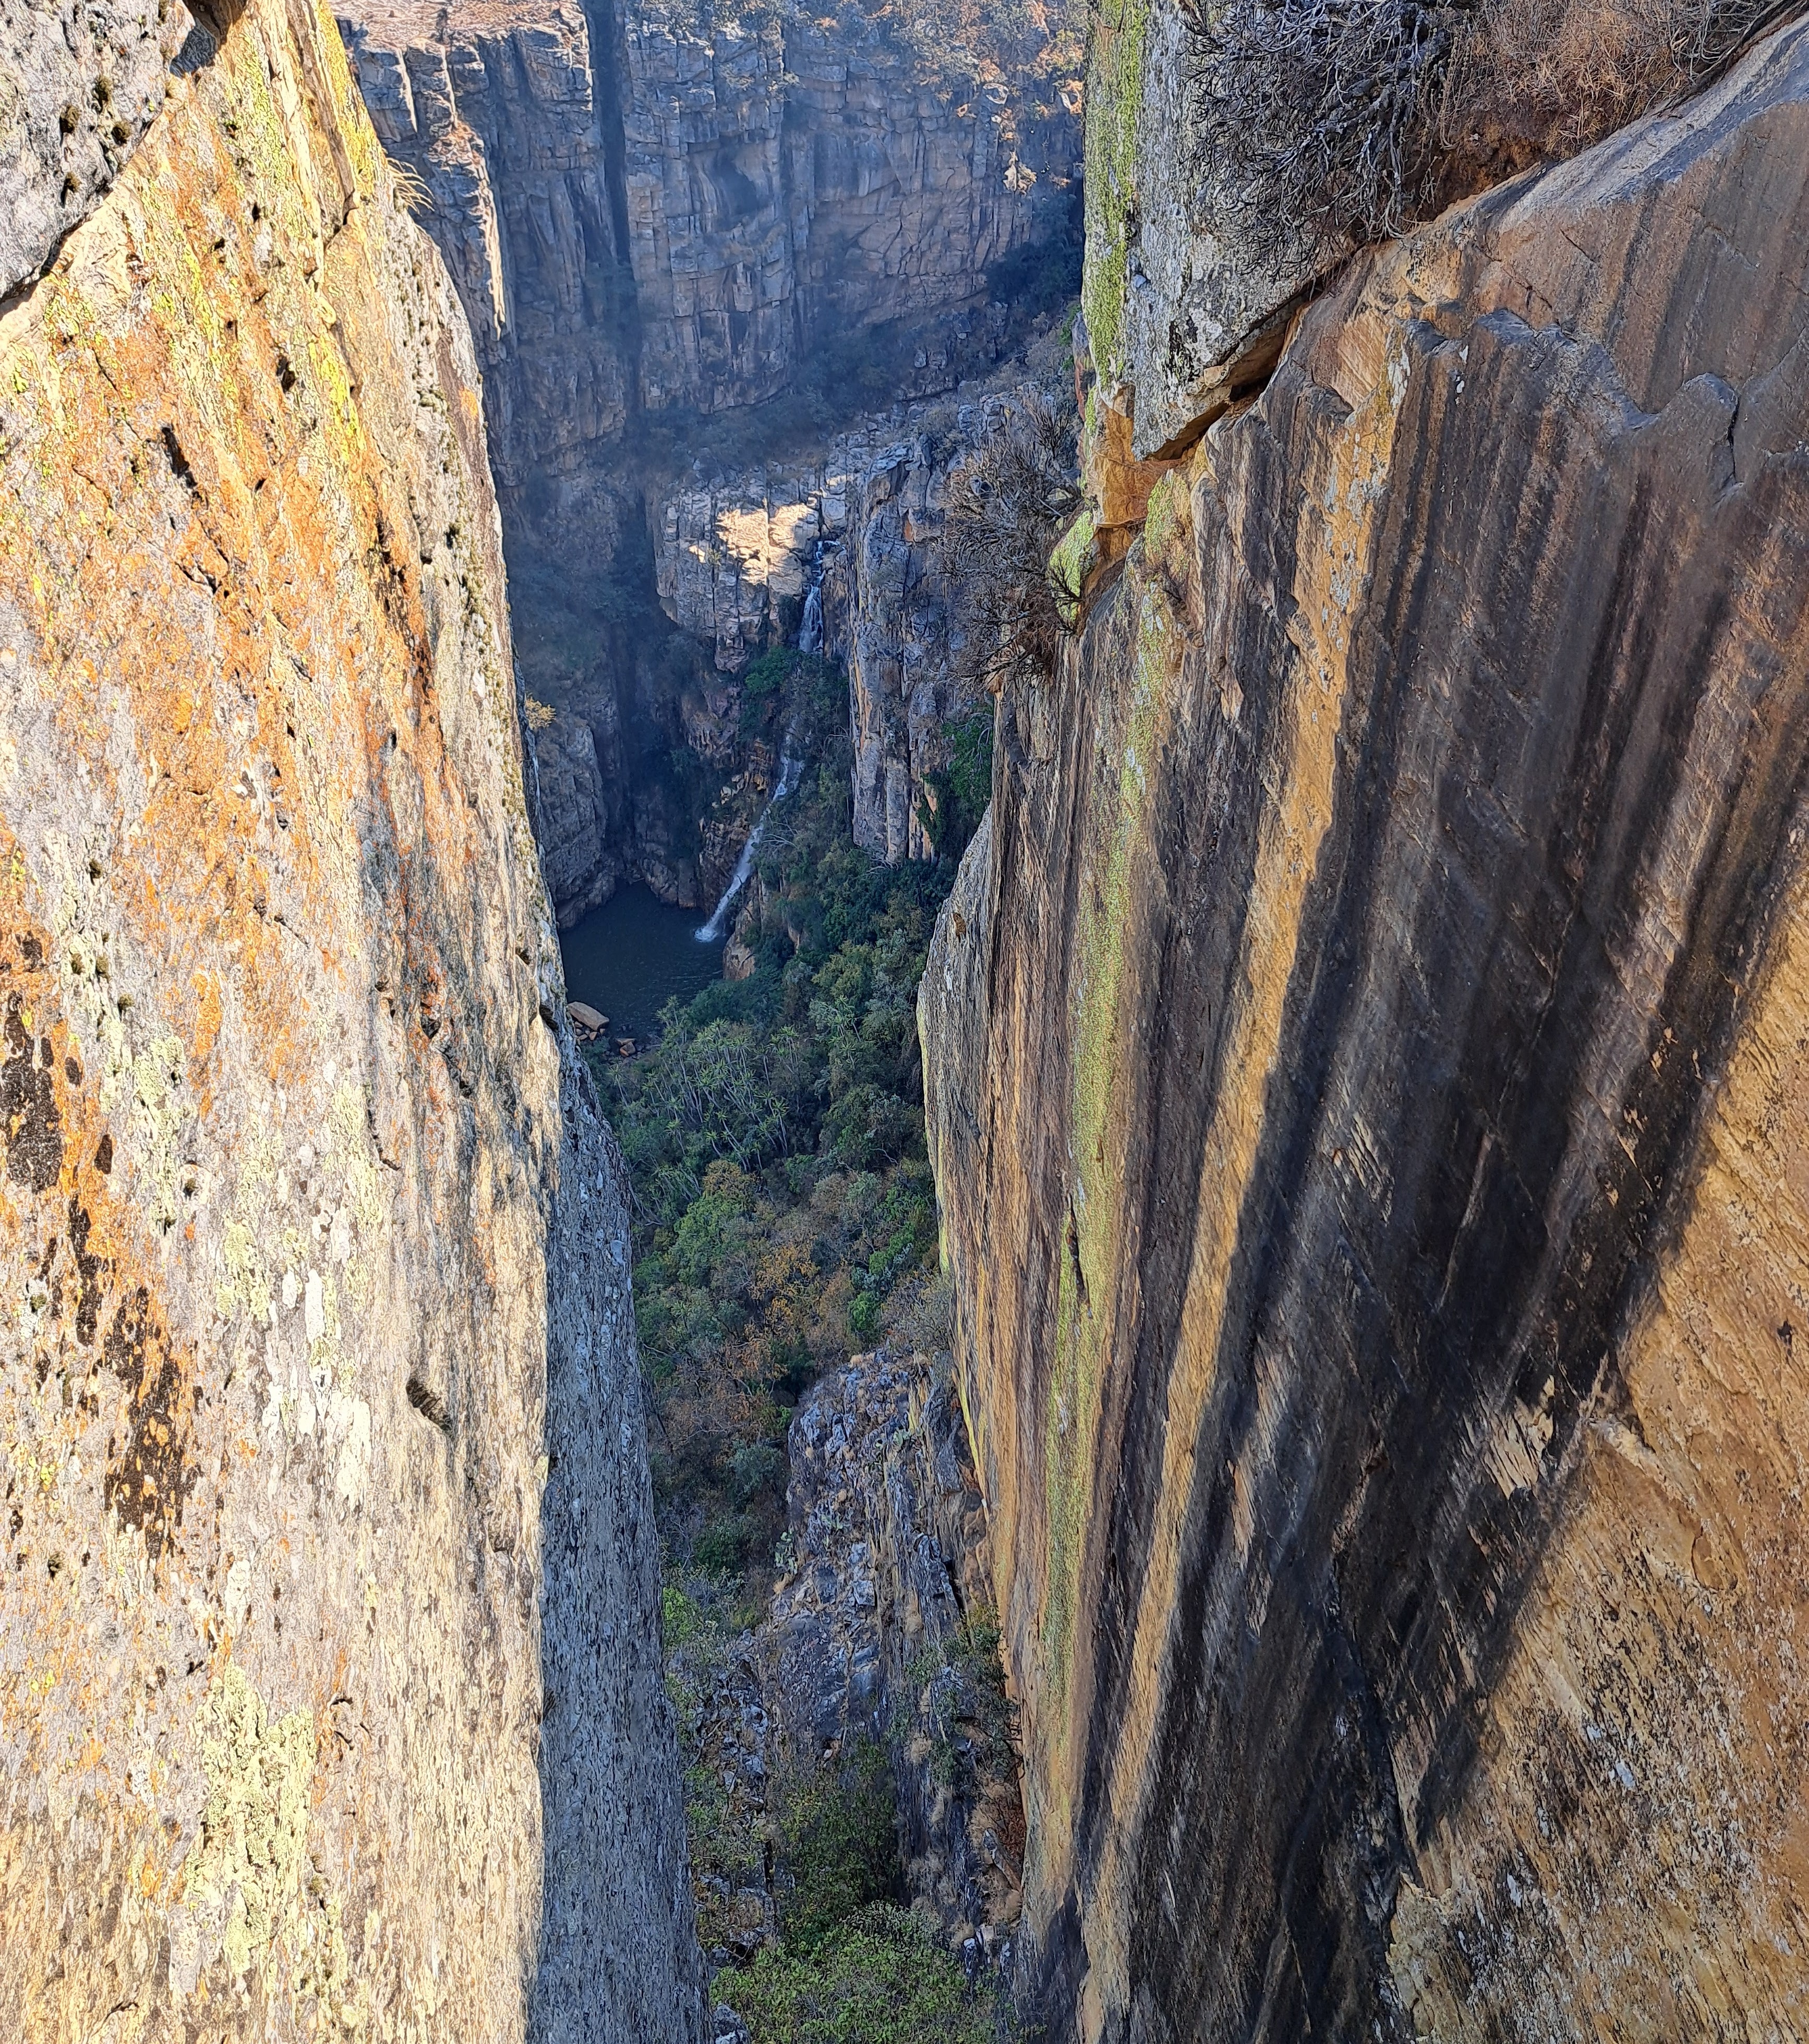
(1366, 1067)
(330, 1681)
(646, 211)
(658, 218)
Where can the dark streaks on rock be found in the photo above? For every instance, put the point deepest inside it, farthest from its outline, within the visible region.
(1380, 905)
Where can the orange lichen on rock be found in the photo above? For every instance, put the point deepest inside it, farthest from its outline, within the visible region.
(288, 1123)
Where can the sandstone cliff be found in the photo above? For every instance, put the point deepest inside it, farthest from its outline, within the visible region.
(329, 1682)
(1366, 1061)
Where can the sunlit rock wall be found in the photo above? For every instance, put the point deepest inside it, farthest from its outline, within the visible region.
(329, 1681)
(1366, 1061)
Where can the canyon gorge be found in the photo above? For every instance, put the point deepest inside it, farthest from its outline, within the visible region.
(655, 220)
(1228, 1465)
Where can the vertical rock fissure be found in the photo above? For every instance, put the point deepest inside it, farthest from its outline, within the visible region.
(605, 38)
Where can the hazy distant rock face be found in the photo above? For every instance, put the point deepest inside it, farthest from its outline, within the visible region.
(736, 559)
(576, 851)
(639, 213)
(733, 557)
(79, 83)
(1368, 1063)
(330, 1698)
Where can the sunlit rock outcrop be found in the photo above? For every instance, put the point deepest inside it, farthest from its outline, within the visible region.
(329, 1671)
(1366, 1070)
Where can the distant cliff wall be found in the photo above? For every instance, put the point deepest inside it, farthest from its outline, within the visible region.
(736, 560)
(644, 211)
(330, 1694)
(657, 219)
(1366, 1069)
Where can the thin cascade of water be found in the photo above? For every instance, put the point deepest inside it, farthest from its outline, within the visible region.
(810, 631)
(791, 765)
(809, 641)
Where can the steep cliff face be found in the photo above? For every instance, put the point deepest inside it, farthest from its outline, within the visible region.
(738, 560)
(329, 1684)
(862, 524)
(1365, 1057)
(657, 217)
(646, 209)
(79, 84)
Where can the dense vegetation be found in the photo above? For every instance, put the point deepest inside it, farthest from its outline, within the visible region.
(876, 1978)
(784, 1214)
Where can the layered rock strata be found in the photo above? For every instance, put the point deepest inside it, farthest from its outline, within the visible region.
(329, 1677)
(644, 211)
(1365, 1058)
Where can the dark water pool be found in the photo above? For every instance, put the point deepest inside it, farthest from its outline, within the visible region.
(630, 956)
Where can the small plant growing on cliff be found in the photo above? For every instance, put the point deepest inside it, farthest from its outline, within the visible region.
(963, 1706)
(1007, 504)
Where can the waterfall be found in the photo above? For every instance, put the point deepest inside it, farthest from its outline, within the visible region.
(809, 641)
(810, 631)
(791, 765)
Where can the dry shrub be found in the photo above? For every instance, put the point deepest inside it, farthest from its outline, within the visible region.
(1536, 80)
(1322, 125)
(1316, 118)
(1007, 504)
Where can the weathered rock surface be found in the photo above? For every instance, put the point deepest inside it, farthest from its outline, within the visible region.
(734, 557)
(889, 1562)
(1179, 320)
(862, 522)
(1366, 1062)
(880, 1632)
(329, 1671)
(79, 84)
(577, 830)
(888, 608)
